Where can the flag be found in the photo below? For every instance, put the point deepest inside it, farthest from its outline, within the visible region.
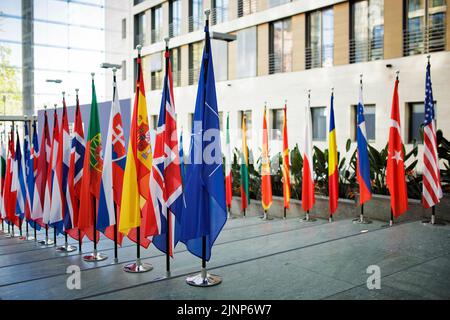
(77, 154)
(31, 173)
(18, 184)
(135, 208)
(59, 186)
(41, 173)
(308, 198)
(266, 183)
(333, 171)
(285, 169)
(228, 162)
(182, 168)
(92, 172)
(2, 177)
(204, 213)
(10, 196)
(395, 171)
(245, 194)
(363, 164)
(432, 190)
(114, 160)
(51, 170)
(165, 182)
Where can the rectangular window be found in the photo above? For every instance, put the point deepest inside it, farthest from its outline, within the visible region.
(369, 116)
(140, 23)
(367, 31)
(247, 53)
(416, 116)
(156, 71)
(221, 121)
(248, 123)
(319, 123)
(157, 23)
(195, 60)
(124, 28)
(195, 14)
(220, 11)
(124, 70)
(175, 60)
(274, 3)
(246, 7)
(154, 122)
(174, 18)
(424, 26)
(220, 53)
(280, 46)
(319, 39)
(277, 124)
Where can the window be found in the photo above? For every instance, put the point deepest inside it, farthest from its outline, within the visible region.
(195, 60)
(248, 123)
(246, 7)
(247, 53)
(174, 18)
(280, 46)
(157, 22)
(369, 117)
(320, 39)
(190, 122)
(139, 29)
(195, 14)
(416, 116)
(124, 70)
(277, 124)
(175, 60)
(124, 28)
(156, 71)
(220, 11)
(274, 3)
(367, 31)
(319, 123)
(154, 122)
(424, 26)
(220, 53)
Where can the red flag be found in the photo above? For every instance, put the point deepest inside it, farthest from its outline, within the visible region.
(395, 162)
(308, 198)
(10, 197)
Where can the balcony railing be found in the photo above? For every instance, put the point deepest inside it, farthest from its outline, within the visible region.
(219, 15)
(424, 40)
(195, 23)
(367, 50)
(141, 39)
(175, 29)
(157, 35)
(246, 7)
(319, 56)
(280, 63)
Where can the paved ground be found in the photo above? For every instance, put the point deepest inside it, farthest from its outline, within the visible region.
(279, 259)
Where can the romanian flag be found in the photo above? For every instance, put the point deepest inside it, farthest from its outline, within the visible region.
(245, 195)
(266, 184)
(136, 205)
(333, 172)
(228, 161)
(92, 172)
(285, 169)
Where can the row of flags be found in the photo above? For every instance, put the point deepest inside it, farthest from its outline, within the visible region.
(395, 172)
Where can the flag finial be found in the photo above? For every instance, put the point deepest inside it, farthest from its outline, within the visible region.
(166, 40)
(139, 48)
(114, 70)
(429, 57)
(207, 13)
(360, 78)
(64, 94)
(45, 107)
(77, 90)
(92, 75)
(332, 89)
(397, 73)
(55, 105)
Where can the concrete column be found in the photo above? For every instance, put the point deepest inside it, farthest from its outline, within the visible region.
(393, 29)
(263, 49)
(185, 65)
(232, 55)
(298, 51)
(27, 57)
(341, 33)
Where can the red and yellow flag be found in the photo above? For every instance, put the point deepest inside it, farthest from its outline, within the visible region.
(285, 169)
(266, 184)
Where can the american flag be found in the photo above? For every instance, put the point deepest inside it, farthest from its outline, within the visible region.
(432, 191)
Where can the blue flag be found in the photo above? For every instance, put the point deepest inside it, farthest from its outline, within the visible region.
(31, 154)
(204, 212)
(181, 151)
(20, 182)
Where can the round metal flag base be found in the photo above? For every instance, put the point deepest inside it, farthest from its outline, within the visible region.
(95, 256)
(204, 279)
(47, 242)
(433, 223)
(266, 217)
(66, 248)
(137, 267)
(362, 221)
(26, 238)
(308, 218)
(11, 235)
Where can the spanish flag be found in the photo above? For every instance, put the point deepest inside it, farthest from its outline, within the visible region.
(136, 206)
(245, 195)
(266, 184)
(285, 166)
(333, 172)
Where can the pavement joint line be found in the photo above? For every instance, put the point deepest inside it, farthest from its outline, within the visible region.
(152, 257)
(234, 263)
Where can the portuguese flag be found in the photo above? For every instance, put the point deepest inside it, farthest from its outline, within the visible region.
(92, 172)
(245, 195)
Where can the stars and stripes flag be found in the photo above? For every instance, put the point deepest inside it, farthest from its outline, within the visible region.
(395, 175)
(165, 182)
(308, 197)
(114, 160)
(74, 177)
(432, 190)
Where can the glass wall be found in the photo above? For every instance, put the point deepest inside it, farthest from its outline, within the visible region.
(195, 60)
(280, 46)
(220, 11)
(157, 24)
(320, 39)
(174, 18)
(195, 14)
(247, 53)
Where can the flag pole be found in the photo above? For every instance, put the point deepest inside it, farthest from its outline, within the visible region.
(330, 218)
(138, 266)
(116, 256)
(204, 279)
(307, 218)
(79, 232)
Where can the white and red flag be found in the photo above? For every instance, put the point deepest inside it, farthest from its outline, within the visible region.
(308, 198)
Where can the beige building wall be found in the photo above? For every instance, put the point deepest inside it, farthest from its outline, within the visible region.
(448, 26)
(165, 29)
(263, 49)
(262, 5)
(393, 29)
(184, 16)
(341, 33)
(232, 55)
(185, 65)
(232, 9)
(298, 51)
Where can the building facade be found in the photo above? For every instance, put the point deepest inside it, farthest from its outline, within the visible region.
(284, 48)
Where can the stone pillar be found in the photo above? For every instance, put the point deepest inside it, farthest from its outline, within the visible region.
(393, 29)
(341, 33)
(298, 51)
(232, 55)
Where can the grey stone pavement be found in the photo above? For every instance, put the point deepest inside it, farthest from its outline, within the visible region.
(278, 259)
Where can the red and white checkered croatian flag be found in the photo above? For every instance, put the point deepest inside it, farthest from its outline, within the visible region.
(432, 191)
(165, 180)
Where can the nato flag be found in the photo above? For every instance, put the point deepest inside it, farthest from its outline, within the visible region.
(204, 213)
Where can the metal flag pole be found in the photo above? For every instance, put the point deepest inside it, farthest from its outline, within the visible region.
(138, 266)
(204, 279)
(116, 256)
(13, 235)
(78, 200)
(287, 173)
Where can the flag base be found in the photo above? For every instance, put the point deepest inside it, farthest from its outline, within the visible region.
(137, 267)
(115, 261)
(26, 238)
(330, 219)
(66, 248)
(12, 235)
(204, 279)
(266, 217)
(308, 218)
(46, 242)
(362, 220)
(95, 256)
(434, 223)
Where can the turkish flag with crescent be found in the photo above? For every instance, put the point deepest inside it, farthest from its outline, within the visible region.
(395, 163)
